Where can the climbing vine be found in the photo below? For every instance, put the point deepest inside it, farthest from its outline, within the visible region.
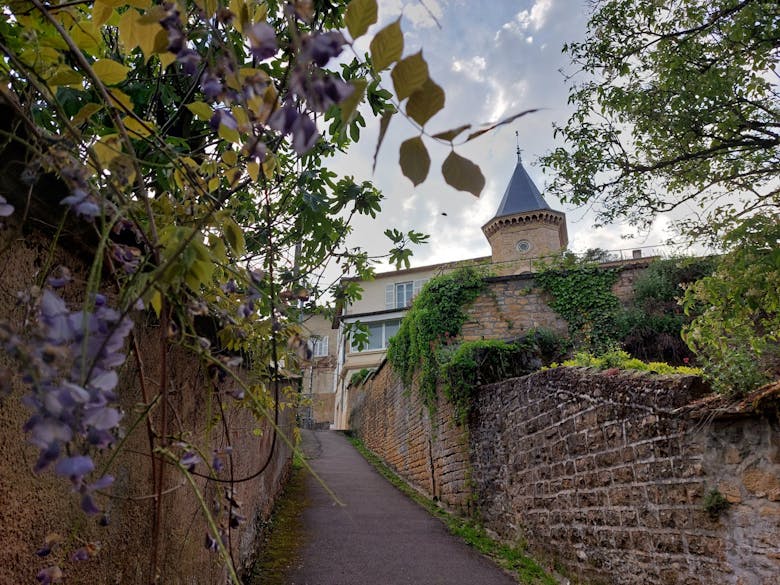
(184, 145)
(582, 294)
(435, 318)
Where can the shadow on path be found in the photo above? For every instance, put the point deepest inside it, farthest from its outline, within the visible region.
(378, 536)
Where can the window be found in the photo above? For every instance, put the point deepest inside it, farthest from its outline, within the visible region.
(403, 294)
(319, 346)
(379, 333)
(400, 294)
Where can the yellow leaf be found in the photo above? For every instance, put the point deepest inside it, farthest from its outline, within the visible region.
(156, 302)
(415, 161)
(253, 169)
(269, 166)
(201, 109)
(101, 11)
(213, 184)
(424, 103)
(127, 30)
(110, 72)
(409, 75)
(142, 4)
(138, 129)
(234, 236)
(230, 157)
(107, 149)
(242, 118)
(360, 15)
(387, 45)
(120, 99)
(86, 113)
(350, 104)
(233, 175)
(229, 134)
(86, 36)
(65, 76)
(462, 174)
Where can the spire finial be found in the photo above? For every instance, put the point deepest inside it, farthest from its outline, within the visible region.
(519, 152)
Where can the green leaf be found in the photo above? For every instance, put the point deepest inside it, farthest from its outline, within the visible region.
(450, 135)
(425, 102)
(462, 174)
(349, 105)
(414, 160)
(201, 109)
(360, 15)
(383, 124)
(387, 46)
(110, 72)
(409, 75)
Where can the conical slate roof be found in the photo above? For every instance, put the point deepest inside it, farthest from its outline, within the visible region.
(521, 195)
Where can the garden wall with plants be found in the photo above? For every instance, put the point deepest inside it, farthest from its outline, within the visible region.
(611, 476)
(43, 522)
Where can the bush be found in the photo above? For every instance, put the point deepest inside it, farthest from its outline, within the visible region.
(473, 363)
(735, 330)
(617, 358)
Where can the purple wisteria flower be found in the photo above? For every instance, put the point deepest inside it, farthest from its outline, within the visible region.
(70, 365)
(6, 208)
(319, 48)
(262, 41)
(82, 203)
(288, 120)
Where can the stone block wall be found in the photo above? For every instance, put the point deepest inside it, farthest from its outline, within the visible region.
(602, 473)
(394, 424)
(512, 305)
(35, 506)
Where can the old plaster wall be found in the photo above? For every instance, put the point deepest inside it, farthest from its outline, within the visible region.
(604, 474)
(35, 506)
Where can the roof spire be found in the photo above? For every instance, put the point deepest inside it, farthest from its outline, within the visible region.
(519, 152)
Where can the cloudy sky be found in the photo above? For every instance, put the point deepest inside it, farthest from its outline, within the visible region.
(493, 59)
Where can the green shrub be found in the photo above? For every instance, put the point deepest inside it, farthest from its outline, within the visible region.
(735, 330)
(360, 377)
(471, 364)
(617, 358)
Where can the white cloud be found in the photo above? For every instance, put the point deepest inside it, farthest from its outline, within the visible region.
(533, 19)
(472, 68)
(423, 15)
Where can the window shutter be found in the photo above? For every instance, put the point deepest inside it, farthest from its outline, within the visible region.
(390, 296)
(324, 347)
(418, 284)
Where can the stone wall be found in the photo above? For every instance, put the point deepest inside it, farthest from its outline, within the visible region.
(602, 473)
(394, 424)
(512, 305)
(35, 506)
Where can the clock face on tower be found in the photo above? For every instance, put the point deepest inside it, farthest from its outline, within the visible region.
(523, 246)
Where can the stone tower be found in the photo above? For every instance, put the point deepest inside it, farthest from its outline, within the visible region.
(524, 228)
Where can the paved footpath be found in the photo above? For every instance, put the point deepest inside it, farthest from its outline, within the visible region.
(379, 537)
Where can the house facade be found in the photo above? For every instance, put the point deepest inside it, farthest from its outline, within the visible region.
(524, 230)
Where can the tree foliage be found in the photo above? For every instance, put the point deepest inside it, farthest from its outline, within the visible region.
(679, 105)
(185, 145)
(737, 330)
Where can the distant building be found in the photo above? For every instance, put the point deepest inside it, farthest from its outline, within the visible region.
(523, 230)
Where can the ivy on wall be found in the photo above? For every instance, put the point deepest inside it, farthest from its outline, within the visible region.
(435, 317)
(582, 294)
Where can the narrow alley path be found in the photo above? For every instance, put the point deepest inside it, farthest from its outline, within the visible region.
(379, 537)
